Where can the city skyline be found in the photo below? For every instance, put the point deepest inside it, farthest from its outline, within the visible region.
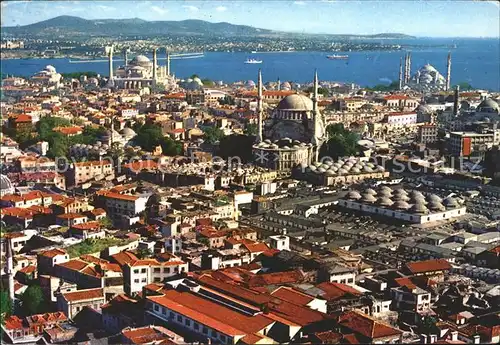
(418, 18)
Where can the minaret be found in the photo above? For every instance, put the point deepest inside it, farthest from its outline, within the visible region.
(259, 108)
(455, 100)
(448, 72)
(315, 116)
(400, 73)
(405, 69)
(125, 56)
(168, 62)
(155, 66)
(409, 68)
(10, 268)
(109, 51)
(279, 84)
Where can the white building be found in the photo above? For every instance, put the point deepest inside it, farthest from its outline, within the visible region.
(144, 272)
(413, 207)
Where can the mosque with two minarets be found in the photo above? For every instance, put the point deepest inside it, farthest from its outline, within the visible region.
(293, 134)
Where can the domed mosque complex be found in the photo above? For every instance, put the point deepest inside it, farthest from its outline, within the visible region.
(140, 72)
(407, 205)
(293, 134)
(291, 138)
(426, 79)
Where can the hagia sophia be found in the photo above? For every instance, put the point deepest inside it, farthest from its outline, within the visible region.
(293, 134)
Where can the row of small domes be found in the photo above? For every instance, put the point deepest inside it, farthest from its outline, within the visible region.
(400, 199)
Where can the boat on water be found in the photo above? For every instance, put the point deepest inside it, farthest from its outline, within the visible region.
(337, 57)
(254, 52)
(253, 61)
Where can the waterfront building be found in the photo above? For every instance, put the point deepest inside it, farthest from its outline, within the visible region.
(141, 72)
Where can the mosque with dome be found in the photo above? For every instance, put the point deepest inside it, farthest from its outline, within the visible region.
(140, 72)
(426, 79)
(48, 77)
(292, 135)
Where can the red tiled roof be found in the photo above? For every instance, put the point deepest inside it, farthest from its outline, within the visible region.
(83, 295)
(69, 130)
(46, 318)
(293, 296)
(28, 269)
(23, 118)
(428, 266)
(276, 278)
(124, 257)
(13, 322)
(53, 253)
(255, 247)
(366, 326)
(212, 314)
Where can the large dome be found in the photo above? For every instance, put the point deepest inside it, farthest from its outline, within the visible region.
(488, 105)
(140, 60)
(296, 102)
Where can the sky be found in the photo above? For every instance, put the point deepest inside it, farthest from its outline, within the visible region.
(430, 18)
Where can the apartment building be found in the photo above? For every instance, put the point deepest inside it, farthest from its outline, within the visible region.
(71, 303)
(140, 273)
(82, 172)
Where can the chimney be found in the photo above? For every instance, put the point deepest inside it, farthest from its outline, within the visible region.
(432, 338)
(423, 339)
(477, 339)
(454, 336)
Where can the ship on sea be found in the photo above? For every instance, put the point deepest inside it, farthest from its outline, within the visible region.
(253, 61)
(337, 57)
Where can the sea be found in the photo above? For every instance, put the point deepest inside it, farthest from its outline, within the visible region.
(474, 61)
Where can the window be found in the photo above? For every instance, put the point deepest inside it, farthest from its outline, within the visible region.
(179, 318)
(143, 280)
(204, 330)
(164, 311)
(136, 281)
(143, 270)
(350, 280)
(171, 315)
(136, 271)
(196, 326)
(166, 270)
(223, 338)
(156, 279)
(157, 308)
(156, 270)
(187, 322)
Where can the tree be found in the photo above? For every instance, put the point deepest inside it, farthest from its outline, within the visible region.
(213, 134)
(58, 145)
(250, 129)
(106, 222)
(47, 124)
(383, 87)
(148, 136)
(144, 253)
(170, 147)
(321, 91)
(32, 300)
(464, 86)
(5, 305)
(237, 145)
(341, 142)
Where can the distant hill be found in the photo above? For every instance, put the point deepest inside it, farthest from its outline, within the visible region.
(75, 26)
(70, 26)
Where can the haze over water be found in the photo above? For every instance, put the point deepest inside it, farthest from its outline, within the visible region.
(474, 61)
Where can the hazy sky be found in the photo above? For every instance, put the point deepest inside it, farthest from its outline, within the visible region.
(436, 18)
